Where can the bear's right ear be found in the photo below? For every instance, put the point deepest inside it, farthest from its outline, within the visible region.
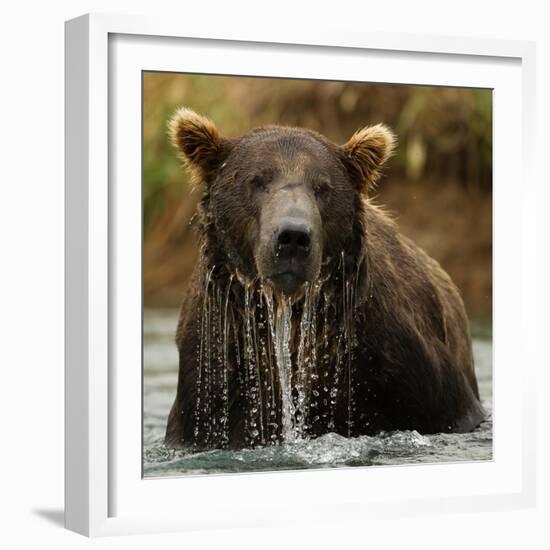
(366, 152)
(198, 142)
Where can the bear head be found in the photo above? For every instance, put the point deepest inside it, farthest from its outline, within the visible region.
(280, 204)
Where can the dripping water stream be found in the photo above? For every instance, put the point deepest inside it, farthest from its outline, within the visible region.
(291, 369)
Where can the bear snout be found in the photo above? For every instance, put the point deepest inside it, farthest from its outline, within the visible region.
(292, 239)
(289, 249)
(292, 244)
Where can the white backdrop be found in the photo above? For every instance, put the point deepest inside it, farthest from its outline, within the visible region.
(31, 273)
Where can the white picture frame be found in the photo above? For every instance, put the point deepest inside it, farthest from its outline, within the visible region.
(105, 493)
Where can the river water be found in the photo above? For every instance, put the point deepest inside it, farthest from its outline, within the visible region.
(160, 367)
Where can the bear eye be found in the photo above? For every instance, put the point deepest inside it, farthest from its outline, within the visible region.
(321, 186)
(260, 181)
(257, 181)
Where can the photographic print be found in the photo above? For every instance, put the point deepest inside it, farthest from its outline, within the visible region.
(317, 274)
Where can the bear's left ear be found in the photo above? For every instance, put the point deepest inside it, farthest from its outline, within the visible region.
(198, 142)
(365, 153)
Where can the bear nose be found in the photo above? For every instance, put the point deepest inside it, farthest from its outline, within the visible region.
(293, 240)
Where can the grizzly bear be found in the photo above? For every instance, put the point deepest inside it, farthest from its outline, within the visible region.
(308, 312)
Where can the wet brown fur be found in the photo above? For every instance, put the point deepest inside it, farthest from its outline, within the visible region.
(413, 366)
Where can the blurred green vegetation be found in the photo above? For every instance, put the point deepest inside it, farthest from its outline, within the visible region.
(438, 185)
